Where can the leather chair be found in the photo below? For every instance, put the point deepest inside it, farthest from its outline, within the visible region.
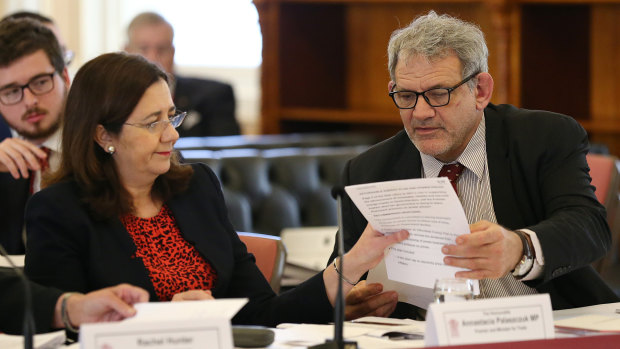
(605, 173)
(267, 190)
(270, 255)
(290, 140)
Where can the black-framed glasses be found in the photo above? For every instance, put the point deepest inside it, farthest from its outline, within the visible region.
(38, 85)
(435, 97)
(158, 126)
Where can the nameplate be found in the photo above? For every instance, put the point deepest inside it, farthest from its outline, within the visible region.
(181, 325)
(489, 320)
(187, 334)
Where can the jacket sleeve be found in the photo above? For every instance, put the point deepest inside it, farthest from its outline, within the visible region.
(56, 227)
(12, 301)
(574, 230)
(540, 181)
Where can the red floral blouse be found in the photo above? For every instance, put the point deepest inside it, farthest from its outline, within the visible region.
(173, 264)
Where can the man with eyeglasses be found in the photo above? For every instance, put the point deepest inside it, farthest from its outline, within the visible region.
(68, 54)
(33, 86)
(210, 104)
(521, 175)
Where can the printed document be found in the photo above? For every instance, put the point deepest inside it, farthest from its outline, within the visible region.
(430, 210)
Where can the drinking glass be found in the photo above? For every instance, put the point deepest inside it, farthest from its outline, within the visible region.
(453, 290)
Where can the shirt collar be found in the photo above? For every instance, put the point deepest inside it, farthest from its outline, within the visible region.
(53, 142)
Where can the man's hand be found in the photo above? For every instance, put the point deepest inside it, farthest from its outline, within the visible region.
(489, 251)
(17, 156)
(108, 304)
(368, 300)
(192, 295)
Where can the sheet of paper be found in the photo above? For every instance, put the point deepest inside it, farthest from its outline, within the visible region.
(305, 335)
(612, 309)
(40, 341)
(379, 327)
(18, 260)
(416, 295)
(593, 322)
(432, 213)
(166, 311)
(386, 321)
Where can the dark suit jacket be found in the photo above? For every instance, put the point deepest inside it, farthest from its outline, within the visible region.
(5, 131)
(12, 303)
(70, 250)
(539, 181)
(210, 105)
(14, 194)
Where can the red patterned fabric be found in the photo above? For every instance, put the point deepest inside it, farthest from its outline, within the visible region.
(173, 264)
(45, 165)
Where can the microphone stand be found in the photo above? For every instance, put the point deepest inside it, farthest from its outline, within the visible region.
(338, 342)
(28, 317)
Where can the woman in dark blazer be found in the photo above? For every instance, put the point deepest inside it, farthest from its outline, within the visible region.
(122, 209)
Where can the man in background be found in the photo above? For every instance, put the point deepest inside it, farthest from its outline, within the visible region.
(210, 104)
(5, 130)
(34, 82)
(521, 175)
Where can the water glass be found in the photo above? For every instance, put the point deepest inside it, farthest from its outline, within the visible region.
(453, 290)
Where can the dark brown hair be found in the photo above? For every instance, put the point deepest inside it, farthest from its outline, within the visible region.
(105, 92)
(27, 14)
(25, 36)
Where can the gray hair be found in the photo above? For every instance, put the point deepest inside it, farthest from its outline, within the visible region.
(436, 37)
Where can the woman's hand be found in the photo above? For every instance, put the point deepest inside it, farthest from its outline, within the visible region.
(369, 249)
(192, 295)
(365, 254)
(369, 300)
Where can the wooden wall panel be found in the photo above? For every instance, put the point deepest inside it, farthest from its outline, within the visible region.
(369, 28)
(605, 63)
(325, 61)
(604, 125)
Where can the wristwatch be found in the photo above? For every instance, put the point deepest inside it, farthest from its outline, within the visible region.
(527, 261)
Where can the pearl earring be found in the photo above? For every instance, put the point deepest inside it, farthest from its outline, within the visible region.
(111, 150)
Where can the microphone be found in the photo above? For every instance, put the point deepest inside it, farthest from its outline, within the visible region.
(28, 317)
(338, 342)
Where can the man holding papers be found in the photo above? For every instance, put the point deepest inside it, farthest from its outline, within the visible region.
(520, 175)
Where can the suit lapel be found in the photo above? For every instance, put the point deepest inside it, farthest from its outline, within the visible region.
(501, 176)
(409, 159)
(192, 218)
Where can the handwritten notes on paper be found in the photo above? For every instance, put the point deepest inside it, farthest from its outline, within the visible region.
(432, 213)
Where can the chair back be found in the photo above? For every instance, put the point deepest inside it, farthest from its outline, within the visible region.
(605, 174)
(270, 255)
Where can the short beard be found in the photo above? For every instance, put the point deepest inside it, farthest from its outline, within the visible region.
(40, 133)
